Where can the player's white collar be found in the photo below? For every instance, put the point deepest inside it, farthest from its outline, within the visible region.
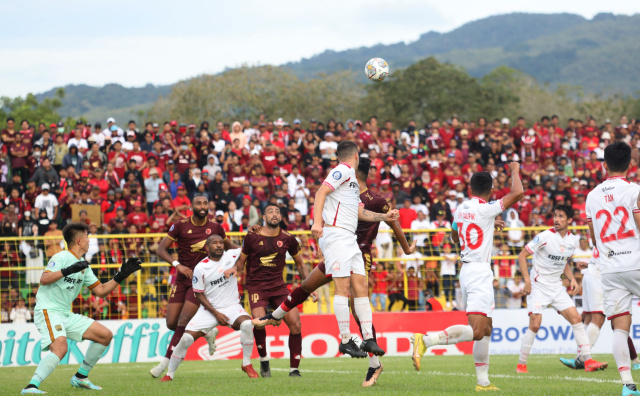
(479, 199)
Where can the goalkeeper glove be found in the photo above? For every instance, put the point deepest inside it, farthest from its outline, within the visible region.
(129, 267)
(74, 268)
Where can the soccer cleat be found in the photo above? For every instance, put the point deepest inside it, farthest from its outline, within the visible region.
(635, 366)
(350, 348)
(522, 369)
(490, 387)
(371, 346)
(571, 363)
(157, 370)
(629, 389)
(268, 319)
(591, 365)
(166, 378)
(250, 371)
(265, 370)
(83, 383)
(211, 340)
(419, 348)
(295, 373)
(32, 391)
(372, 376)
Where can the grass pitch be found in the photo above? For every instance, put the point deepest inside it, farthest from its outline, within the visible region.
(440, 375)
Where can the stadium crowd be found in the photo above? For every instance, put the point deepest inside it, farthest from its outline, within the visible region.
(143, 176)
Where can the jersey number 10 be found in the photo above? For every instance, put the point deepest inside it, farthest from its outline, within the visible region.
(465, 236)
(621, 233)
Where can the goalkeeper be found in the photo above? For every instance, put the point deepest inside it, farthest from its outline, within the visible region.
(63, 279)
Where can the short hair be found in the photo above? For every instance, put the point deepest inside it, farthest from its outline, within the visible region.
(212, 237)
(568, 210)
(481, 183)
(617, 156)
(70, 232)
(200, 194)
(363, 167)
(346, 148)
(264, 211)
(10, 119)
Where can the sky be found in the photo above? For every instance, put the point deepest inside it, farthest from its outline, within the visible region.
(46, 44)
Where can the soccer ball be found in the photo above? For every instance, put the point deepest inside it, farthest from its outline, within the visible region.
(377, 69)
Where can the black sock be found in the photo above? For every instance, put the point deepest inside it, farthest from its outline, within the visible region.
(81, 376)
(31, 386)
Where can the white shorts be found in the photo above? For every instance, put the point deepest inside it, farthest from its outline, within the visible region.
(592, 298)
(342, 256)
(543, 297)
(618, 290)
(204, 320)
(476, 285)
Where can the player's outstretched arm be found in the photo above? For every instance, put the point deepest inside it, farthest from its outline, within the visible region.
(222, 319)
(397, 231)
(48, 278)
(517, 191)
(524, 270)
(127, 269)
(372, 217)
(318, 207)
(233, 271)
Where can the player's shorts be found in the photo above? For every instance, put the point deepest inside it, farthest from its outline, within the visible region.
(204, 320)
(366, 257)
(476, 285)
(342, 256)
(542, 297)
(592, 297)
(52, 325)
(259, 298)
(182, 292)
(618, 290)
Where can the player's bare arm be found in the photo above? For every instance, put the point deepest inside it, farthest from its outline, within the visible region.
(568, 272)
(499, 224)
(524, 270)
(163, 253)
(239, 267)
(303, 271)
(517, 191)
(367, 215)
(397, 231)
(318, 207)
(222, 319)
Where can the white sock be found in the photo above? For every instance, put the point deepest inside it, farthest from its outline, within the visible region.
(582, 340)
(365, 315)
(246, 339)
(164, 363)
(374, 361)
(481, 358)
(593, 331)
(452, 335)
(621, 354)
(279, 313)
(179, 352)
(525, 347)
(341, 310)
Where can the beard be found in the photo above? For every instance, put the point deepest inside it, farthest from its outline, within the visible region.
(270, 224)
(199, 215)
(217, 254)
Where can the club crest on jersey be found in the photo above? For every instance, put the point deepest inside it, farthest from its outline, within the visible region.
(172, 227)
(279, 243)
(51, 264)
(208, 231)
(562, 248)
(336, 175)
(220, 270)
(536, 239)
(194, 279)
(58, 328)
(336, 266)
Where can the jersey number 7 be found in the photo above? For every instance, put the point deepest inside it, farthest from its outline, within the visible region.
(621, 233)
(465, 236)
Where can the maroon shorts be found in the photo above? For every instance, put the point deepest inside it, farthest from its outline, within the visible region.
(182, 292)
(366, 256)
(263, 299)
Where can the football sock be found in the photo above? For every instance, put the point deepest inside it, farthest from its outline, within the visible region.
(621, 355)
(295, 350)
(179, 352)
(341, 310)
(452, 335)
(177, 336)
(365, 315)
(525, 347)
(261, 341)
(582, 340)
(481, 358)
(373, 359)
(45, 368)
(246, 339)
(593, 331)
(94, 352)
(632, 349)
(373, 329)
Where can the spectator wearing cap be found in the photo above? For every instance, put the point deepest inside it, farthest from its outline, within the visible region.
(46, 202)
(152, 188)
(138, 218)
(45, 174)
(94, 196)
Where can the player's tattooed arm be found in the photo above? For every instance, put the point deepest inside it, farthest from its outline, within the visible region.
(402, 240)
(524, 270)
(222, 319)
(367, 215)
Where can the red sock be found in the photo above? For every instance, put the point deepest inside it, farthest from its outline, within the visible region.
(261, 341)
(632, 349)
(297, 297)
(177, 335)
(295, 350)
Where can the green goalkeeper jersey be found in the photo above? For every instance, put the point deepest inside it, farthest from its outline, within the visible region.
(59, 295)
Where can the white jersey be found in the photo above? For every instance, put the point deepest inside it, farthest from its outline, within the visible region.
(208, 278)
(341, 206)
(550, 255)
(475, 219)
(610, 208)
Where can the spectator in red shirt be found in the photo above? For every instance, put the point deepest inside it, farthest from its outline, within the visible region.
(379, 282)
(138, 218)
(181, 203)
(407, 215)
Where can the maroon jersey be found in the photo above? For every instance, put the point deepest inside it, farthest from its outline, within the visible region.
(266, 259)
(367, 231)
(191, 240)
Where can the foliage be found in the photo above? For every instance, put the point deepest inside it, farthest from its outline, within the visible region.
(31, 109)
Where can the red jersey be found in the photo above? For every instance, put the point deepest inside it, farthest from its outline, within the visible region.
(266, 259)
(380, 279)
(367, 231)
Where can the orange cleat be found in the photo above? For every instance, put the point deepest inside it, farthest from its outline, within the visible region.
(591, 365)
(250, 371)
(166, 378)
(522, 369)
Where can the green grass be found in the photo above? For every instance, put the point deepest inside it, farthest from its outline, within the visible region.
(440, 375)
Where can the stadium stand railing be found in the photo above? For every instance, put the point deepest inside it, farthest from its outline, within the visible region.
(399, 282)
